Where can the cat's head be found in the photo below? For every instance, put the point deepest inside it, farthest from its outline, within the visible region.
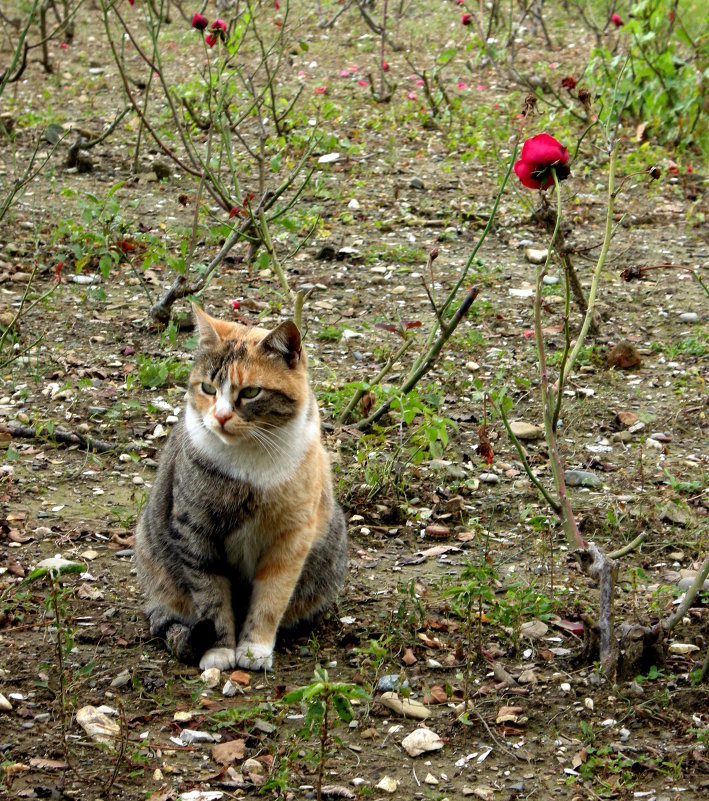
(247, 382)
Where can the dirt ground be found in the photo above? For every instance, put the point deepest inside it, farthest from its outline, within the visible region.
(90, 363)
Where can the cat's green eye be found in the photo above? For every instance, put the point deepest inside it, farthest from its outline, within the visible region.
(249, 392)
(208, 389)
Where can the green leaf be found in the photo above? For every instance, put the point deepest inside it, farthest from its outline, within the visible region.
(446, 56)
(343, 708)
(294, 696)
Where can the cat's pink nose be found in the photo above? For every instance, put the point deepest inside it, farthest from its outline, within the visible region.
(223, 417)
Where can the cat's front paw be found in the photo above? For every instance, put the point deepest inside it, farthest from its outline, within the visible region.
(222, 658)
(254, 656)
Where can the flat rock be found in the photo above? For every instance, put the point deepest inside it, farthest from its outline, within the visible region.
(673, 514)
(689, 317)
(489, 478)
(211, 677)
(98, 726)
(191, 736)
(526, 431)
(533, 629)
(535, 255)
(406, 707)
(387, 784)
(421, 741)
(5, 705)
(582, 478)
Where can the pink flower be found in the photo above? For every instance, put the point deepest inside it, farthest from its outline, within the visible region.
(320, 90)
(211, 39)
(466, 19)
(63, 45)
(462, 85)
(235, 305)
(199, 21)
(344, 73)
(411, 96)
(276, 5)
(219, 25)
(385, 66)
(420, 82)
(362, 83)
(617, 21)
(540, 155)
(672, 167)
(481, 88)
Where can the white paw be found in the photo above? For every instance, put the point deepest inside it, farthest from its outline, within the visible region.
(222, 658)
(254, 656)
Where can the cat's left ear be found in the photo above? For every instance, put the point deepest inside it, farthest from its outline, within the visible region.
(284, 341)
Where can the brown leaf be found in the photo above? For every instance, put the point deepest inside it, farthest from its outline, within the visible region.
(15, 536)
(624, 356)
(367, 403)
(579, 758)
(508, 714)
(625, 419)
(465, 536)
(436, 695)
(409, 658)
(429, 642)
(226, 753)
(240, 677)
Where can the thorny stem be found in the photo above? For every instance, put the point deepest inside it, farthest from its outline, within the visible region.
(566, 513)
(431, 356)
(564, 374)
(7, 75)
(378, 378)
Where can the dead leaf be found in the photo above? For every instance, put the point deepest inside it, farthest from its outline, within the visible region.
(465, 536)
(508, 714)
(226, 753)
(15, 536)
(437, 532)
(409, 658)
(48, 764)
(436, 695)
(429, 642)
(240, 677)
(624, 356)
(625, 419)
(579, 758)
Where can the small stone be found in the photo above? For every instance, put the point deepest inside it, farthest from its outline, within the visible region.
(635, 689)
(686, 582)
(183, 716)
(438, 532)
(158, 775)
(387, 784)
(353, 205)
(472, 366)
(654, 444)
(588, 703)
(533, 629)
(484, 792)
(528, 677)
(430, 779)
(526, 431)
(211, 677)
(406, 707)
(138, 481)
(391, 682)
(489, 478)
(230, 689)
(582, 478)
(689, 317)
(682, 648)
(415, 183)
(550, 280)
(673, 514)
(421, 741)
(90, 554)
(565, 687)
(263, 726)
(332, 791)
(121, 679)
(5, 705)
(535, 255)
(624, 735)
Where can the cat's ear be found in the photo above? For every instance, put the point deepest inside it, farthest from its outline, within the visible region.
(284, 341)
(208, 333)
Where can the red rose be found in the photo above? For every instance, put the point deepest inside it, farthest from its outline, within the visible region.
(219, 25)
(568, 83)
(466, 19)
(211, 39)
(199, 21)
(617, 21)
(540, 155)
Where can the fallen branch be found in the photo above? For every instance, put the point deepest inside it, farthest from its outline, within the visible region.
(59, 435)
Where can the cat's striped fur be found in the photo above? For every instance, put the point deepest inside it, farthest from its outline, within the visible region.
(241, 533)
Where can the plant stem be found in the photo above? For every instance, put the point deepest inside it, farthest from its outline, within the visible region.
(597, 272)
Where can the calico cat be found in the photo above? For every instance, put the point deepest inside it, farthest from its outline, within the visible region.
(241, 528)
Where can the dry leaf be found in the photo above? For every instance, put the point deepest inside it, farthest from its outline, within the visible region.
(429, 642)
(508, 714)
(48, 764)
(436, 695)
(226, 753)
(408, 658)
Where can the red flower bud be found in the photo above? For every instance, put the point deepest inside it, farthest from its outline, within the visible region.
(466, 19)
(540, 155)
(385, 66)
(219, 25)
(617, 21)
(211, 39)
(199, 21)
(672, 167)
(235, 305)
(568, 83)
